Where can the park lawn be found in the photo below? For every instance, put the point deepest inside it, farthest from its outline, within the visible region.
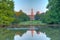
(34, 22)
(53, 33)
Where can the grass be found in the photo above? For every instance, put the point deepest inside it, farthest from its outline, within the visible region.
(32, 23)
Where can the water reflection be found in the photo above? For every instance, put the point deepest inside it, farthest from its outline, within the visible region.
(17, 37)
(28, 36)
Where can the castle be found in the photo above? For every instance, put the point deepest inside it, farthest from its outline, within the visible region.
(32, 15)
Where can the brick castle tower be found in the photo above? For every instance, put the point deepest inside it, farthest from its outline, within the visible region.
(32, 15)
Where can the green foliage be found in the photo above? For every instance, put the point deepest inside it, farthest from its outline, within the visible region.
(40, 17)
(37, 16)
(21, 17)
(52, 16)
(6, 12)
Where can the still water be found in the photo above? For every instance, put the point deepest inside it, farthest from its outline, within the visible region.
(32, 35)
(44, 33)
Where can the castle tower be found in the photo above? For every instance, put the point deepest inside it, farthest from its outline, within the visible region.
(32, 15)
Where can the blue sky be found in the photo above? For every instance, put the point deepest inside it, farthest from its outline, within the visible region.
(26, 5)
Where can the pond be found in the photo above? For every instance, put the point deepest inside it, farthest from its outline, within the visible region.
(44, 33)
(32, 35)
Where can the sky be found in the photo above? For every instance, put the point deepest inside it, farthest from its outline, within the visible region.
(27, 5)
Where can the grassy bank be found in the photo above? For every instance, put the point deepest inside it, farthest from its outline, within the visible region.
(32, 23)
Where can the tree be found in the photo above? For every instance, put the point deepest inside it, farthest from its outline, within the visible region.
(6, 12)
(40, 16)
(21, 17)
(53, 14)
(37, 16)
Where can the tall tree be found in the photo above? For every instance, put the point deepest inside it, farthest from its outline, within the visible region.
(37, 16)
(53, 14)
(6, 12)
